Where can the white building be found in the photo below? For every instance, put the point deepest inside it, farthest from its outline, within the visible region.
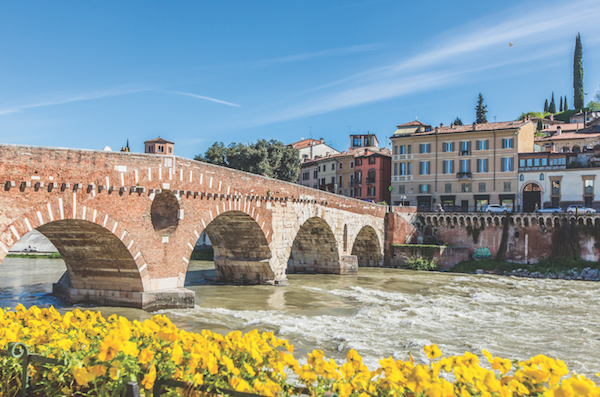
(308, 149)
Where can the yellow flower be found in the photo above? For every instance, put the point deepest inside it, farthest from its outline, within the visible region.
(432, 351)
(83, 376)
(145, 356)
(150, 378)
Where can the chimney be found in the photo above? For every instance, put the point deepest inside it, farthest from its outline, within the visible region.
(474, 126)
(322, 140)
(441, 125)
(420, 128)
(558, 130)
(437, 130)
(551, 117)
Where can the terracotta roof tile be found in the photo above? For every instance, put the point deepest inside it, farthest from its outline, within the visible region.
(159, 140)
(453, 129)
(414, 123)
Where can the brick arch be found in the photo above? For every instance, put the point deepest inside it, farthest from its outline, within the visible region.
(242, 253)
(314, 249)
(367, 247)
(112, 251)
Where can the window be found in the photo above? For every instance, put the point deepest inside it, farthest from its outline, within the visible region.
(407, 168)
(323, 181)
(402, 149)
(340, 166)
(507, 164)
(482, 165)
(333, 180)
(401, 189)
(424, 167)
(371, 191)
(522, 177)
(544, 162)
(529, 162)
(507, 186)
(358, 177)
(448, 146)
(536, 162)
(448, 188)
(562, 161)
(341, 181)
(423, 188)
(466, 188)
(358, 161)
(481, 187)
(521, 163)
(465, 165)
(319, 168)
(395, 149)
(371, 176)
(508, 143)
(465, 148)
(448, 166)
(483, 144)
(315, 174)
(556, 188)
(588, 186)
(357, 191)
(425, 148)
(402, 168)
(305, 176)
(395, 168)
(372, 160)
(332, 167)
(352, 164)
(541, 177)
(409, 149)
(357, 142)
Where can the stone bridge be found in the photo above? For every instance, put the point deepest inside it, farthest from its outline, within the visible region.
(126, 224)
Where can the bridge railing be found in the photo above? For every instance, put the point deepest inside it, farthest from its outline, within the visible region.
(20, 351)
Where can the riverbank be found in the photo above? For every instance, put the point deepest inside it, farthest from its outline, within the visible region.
(563, 270)
(49, 255)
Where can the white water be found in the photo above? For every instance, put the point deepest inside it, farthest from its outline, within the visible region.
(390, 312)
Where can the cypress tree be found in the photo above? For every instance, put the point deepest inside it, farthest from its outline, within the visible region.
(552, 107)
(458, 121)
(480, 111)
(546, 106)
(578, 75)
(560, 109)
(566, 107)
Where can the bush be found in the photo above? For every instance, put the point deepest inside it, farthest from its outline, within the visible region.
(420, 263)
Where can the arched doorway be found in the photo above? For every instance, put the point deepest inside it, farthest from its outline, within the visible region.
(532, 195)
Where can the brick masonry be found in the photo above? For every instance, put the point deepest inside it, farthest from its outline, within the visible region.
(97, 209)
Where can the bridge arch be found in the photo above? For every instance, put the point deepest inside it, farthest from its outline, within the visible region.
(367, 247)
(315, 249)
(104, 264)
(241, 251)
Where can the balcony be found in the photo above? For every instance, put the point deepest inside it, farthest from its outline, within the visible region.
(464, 175)
(370, 179)
(465, 152)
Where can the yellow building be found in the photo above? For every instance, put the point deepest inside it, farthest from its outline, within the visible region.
(462, 168)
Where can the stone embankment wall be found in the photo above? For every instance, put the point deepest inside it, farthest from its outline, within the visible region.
(443, 256)
(525, 239)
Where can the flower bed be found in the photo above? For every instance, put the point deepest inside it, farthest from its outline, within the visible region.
(100, 356)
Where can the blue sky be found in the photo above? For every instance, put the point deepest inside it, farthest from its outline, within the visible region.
(95, 73)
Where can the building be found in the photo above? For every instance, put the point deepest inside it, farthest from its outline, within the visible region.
(358, 141)
(411, 127)
(327, 173)
(345, 172)
(159, 146)
(309, 175)
(459, 167)
(309, 149)
(372, 175)
(565, 142)
(584, 117)
(558, 179)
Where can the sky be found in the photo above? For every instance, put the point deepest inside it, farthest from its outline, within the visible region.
(98, 73)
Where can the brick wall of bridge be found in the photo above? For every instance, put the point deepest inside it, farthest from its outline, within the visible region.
(89, 191)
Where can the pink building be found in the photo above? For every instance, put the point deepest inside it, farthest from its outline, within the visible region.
(309, 175)
(373, 175)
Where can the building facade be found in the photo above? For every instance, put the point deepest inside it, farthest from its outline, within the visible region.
(159, 146)
(309, 149)
(558, 180)
(461, 168)
(372, 175)
(309, 175)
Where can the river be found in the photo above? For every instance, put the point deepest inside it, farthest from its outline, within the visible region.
(380, 313)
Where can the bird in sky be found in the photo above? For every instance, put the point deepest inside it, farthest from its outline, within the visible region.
(510, 44)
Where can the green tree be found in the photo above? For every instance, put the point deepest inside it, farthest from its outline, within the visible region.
(578, 74)
(269, 158)
(593, 106)
(480, 111)
(552, 107)
(457, 121)
(565, 107)
(546, 106)
(560, 109)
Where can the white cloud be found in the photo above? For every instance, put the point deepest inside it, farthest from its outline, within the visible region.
(60, 100)
(452, 58)
(320, 54)
(204, 97)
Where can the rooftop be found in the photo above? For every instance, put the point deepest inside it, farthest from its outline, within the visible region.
(453, 129)
(159, 140)
(306, 143)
